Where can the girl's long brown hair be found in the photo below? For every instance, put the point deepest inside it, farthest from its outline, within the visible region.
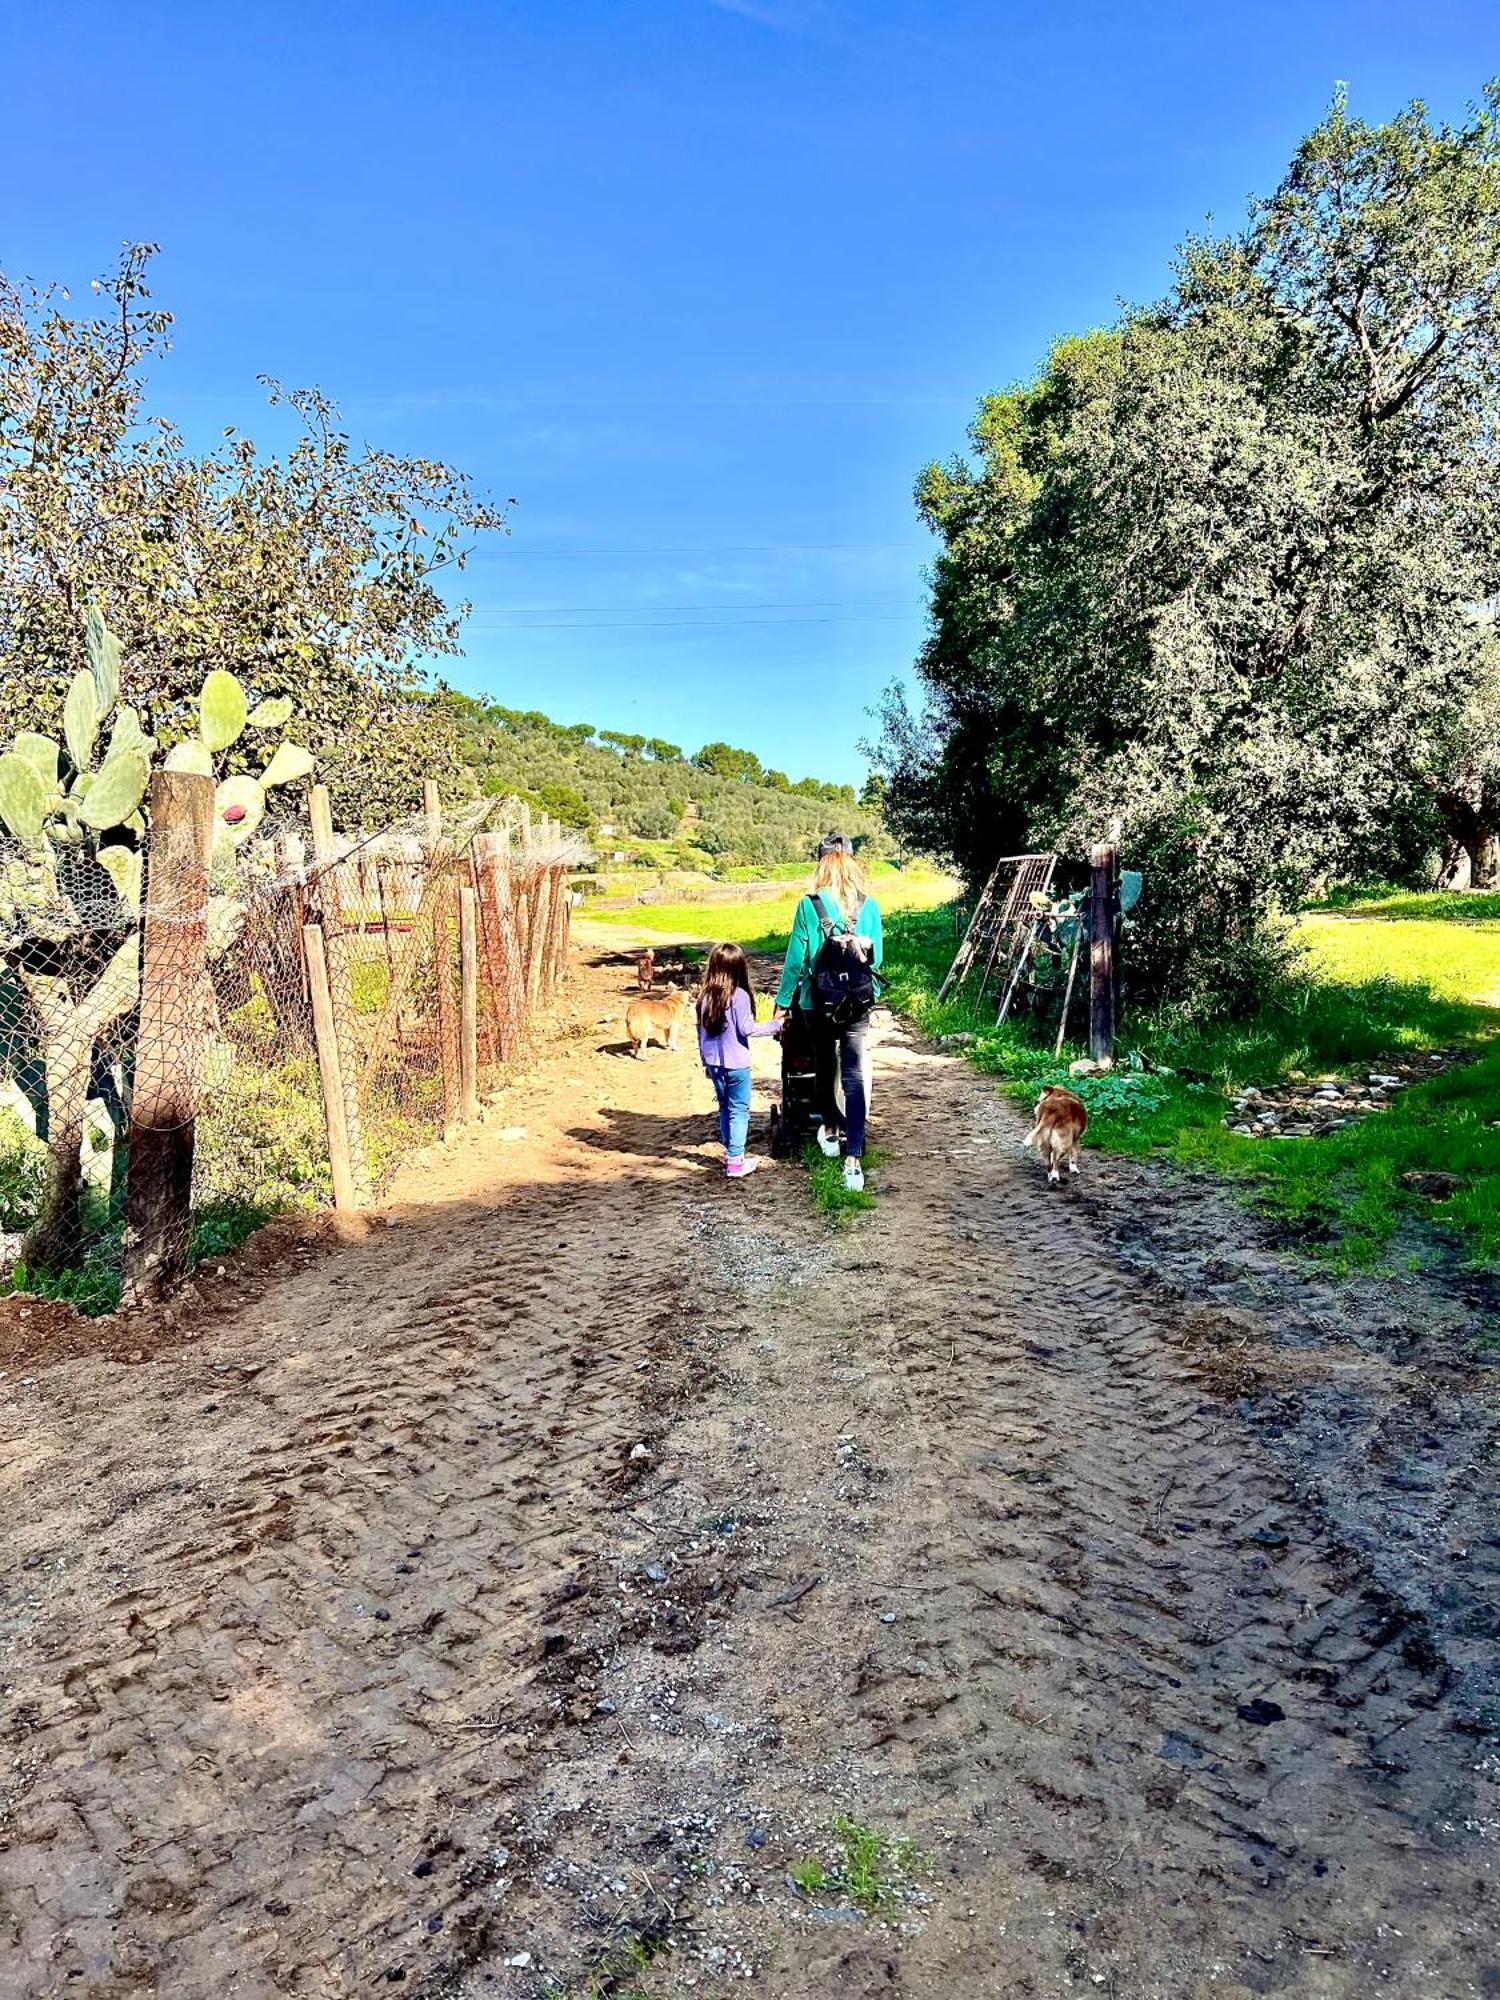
(727, 969)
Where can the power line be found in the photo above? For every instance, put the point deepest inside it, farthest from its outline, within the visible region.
(687, 624)
(570, 610)
(508, 552)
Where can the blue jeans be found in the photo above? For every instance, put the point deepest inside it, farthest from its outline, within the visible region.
(840, 1053)
(732, 1088)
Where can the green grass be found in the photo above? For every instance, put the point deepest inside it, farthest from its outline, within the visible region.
(1464, 905)
(764, 926)
(873, 1867)
(93, 1285)
(1367, 997)
(826, 1179)
(1460, 959)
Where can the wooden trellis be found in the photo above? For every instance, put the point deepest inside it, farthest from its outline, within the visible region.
(1002, 926)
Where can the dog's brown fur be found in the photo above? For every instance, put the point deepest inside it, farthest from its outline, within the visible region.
(1061, 1122)
(645, 969)
(656, 1017)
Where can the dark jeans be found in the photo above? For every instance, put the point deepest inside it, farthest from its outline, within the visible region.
(841, 1054)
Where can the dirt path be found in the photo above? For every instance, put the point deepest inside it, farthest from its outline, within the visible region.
(435, 1621)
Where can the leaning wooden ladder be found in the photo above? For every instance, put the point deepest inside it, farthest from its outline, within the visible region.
(1003, 925)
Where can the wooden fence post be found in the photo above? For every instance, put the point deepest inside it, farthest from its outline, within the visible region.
(339, 980)
(169, 1045)
(468, 1002)
(1104, 916)
(442, 958)
(492, 879)
(330, 1069)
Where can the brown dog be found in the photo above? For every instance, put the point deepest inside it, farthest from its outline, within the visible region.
(645, 970)
(1061, 1122)
(656, 1017)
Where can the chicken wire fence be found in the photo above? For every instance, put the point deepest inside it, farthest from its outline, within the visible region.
(308, 1011)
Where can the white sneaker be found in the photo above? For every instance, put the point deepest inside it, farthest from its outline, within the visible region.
(828, 1142)
(854, 1176)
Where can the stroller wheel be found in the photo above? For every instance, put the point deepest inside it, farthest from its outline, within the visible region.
(773, 1130)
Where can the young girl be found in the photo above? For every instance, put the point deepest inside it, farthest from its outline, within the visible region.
(726, 1023)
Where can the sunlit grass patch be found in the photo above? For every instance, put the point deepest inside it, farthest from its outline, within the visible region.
(764, 925)
(1458, 959)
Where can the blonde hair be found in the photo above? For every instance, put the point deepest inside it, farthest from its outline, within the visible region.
(839, 872)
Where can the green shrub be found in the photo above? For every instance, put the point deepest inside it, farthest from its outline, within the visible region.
(261, 1136)
(23, 1172)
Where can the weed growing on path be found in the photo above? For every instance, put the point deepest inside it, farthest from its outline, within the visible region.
(830, 1196)
(875, 1867)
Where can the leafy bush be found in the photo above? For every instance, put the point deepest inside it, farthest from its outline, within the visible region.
(23, 1172)
(261, 1136)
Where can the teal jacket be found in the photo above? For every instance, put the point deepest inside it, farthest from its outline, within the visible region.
(807, 939)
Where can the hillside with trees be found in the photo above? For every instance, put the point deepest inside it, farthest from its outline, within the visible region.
(1223, 576)
(720, 807)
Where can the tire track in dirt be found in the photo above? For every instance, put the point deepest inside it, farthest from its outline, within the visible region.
(357, 1648)
(1150, 1644)
(275, 1618)
(1072, 1632)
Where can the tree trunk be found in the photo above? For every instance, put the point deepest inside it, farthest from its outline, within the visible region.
(56, 1237)
(1484, 857)
(69, 1033)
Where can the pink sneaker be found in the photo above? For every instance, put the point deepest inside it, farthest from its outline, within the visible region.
(737, 1169)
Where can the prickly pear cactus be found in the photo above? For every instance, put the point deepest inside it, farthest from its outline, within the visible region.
(72, 824)
(67, 801)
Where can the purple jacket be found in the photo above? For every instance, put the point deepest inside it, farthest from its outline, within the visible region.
(731, 1049)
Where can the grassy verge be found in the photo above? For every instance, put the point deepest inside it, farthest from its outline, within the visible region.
(93, 1285)
(1344, 1195)
(764, 926)
(1405, 905)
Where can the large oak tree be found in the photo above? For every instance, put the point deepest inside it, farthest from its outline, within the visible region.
(1223, 573)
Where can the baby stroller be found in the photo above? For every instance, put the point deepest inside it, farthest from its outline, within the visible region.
(796, 1119)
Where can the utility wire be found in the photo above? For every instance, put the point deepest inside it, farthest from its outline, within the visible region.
(685, 624)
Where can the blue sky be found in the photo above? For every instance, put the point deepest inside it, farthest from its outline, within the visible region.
(701, 283)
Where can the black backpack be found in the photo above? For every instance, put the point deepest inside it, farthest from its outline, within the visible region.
(845, 984)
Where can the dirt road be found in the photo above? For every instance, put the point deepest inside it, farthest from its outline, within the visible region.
(506, 1604)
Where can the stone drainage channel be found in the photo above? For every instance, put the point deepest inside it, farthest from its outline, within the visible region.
(1314, 1110)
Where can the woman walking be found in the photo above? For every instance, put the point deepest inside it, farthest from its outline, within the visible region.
(835, 907)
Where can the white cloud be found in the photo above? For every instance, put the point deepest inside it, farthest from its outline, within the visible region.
(792, 17)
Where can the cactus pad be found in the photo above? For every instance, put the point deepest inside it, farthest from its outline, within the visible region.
(290, 763)
(123, 867)
(23, 800)
(128, 734)
(191, 756)
(275, 713)
(103, 649)
(222, 710)
(118, 788)
(81, 719)
(239, 805)
(41, 754)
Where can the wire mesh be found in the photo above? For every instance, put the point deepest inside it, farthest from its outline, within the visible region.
(254, 1031)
